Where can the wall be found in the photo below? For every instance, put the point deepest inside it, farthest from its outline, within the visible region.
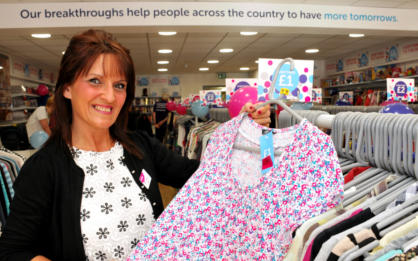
(189, 83)
(27, 72)
(404, 52)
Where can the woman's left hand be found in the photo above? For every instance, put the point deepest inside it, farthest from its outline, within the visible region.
(261, 115)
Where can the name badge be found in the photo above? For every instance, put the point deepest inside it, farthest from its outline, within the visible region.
(145, 178)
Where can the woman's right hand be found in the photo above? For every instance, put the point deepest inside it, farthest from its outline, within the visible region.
(40, 258)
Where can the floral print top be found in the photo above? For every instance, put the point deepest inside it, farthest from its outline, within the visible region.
(218, 215)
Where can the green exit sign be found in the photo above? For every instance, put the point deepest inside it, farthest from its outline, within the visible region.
(221, 75)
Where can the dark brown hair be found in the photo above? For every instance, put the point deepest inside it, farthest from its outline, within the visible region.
(79, 57)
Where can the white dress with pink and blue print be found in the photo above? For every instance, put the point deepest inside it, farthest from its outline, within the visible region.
(228, 210)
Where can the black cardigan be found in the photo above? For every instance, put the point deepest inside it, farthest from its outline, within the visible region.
(45, 212)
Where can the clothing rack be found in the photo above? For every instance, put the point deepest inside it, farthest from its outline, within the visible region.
(10, 165)
(321, 119)
(333, 109)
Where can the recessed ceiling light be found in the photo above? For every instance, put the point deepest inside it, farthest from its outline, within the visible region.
(163, 62)
(311, 50)
(1, 67)
(167, 33)
(63, 52)
(356, 35)
(213, 61)
(226, 50)
(165, 51)
(162, 69)
(41, 35)
(203, 69)
(256, 61)
(244, 68)
(248, 33)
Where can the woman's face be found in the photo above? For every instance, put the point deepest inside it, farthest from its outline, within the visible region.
(98, 96)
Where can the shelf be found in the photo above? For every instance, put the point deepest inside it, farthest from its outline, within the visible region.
(11, 123)
(24, 94)
(23, 108)
(375, 82)
(369, 67)
(31, 80)
(357, 84)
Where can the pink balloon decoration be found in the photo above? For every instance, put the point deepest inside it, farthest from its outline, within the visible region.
(171, 106)
(42, 90)
(240, 98)
(182, 110)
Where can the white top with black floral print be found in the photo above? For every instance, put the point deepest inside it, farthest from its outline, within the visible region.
(115, 214)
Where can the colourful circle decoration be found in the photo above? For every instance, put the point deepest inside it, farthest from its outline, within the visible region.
(267, 84)
(303, 78)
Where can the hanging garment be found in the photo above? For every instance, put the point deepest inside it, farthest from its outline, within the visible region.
(215, 215)
(411, 191)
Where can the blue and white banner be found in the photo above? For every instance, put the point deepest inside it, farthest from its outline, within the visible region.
(99, 14)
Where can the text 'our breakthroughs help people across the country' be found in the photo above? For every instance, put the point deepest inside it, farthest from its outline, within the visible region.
(157, 13)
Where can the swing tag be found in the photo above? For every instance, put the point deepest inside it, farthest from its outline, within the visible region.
(267, 151)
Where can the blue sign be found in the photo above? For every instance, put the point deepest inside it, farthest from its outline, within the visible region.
(364, 60)
(286, 83)
(241, 84)
(340, 65)
(400, 88)
(210, 97)
(392, 54)
(174, 81)
(143, 81)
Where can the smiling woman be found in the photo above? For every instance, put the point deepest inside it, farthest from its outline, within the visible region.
(96, 99)
(92, 191)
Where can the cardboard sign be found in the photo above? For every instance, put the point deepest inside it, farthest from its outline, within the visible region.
(399, 89)
(211, 97)
(317, 95)
(346, 96)
(292, 85)
(234, 84)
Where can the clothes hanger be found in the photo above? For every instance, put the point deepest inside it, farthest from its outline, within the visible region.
(405, 207)
(409, 244)
(381, 141)
(361, 251)
(409, 156)
(357, 142)
(341, 136)
(365, 189)
(414, 131)
(389, 220)
(398, 224)
(401, 214)
(273, 101)
(370, 173)
(381, 203)
(398, 145)
(272, 89)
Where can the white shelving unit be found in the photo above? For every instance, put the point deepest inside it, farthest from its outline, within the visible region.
(23, 108)
(24, 94)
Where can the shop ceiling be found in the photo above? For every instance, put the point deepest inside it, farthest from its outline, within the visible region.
(194, 46)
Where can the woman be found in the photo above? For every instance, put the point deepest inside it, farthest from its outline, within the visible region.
(37, 125)
(92, 190)
(160, 117)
